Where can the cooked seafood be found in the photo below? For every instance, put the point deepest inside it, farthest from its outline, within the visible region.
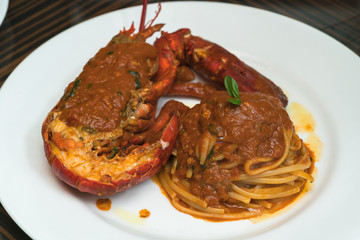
(102, 136)
(91, 136)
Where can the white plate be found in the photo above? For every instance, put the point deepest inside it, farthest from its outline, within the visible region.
(311, 67)
(3, 9)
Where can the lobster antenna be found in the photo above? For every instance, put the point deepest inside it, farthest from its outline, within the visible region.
(148, 24)
(143, 16)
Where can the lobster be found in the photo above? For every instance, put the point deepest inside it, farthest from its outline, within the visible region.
(92, 136)
(103, 137)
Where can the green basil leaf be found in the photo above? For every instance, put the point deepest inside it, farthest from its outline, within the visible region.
(233, 90)
(228, 85)
(234, 101)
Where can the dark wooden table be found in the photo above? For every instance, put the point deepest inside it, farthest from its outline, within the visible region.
(28, 24)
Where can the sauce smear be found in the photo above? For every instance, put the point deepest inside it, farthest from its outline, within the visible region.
(301, 117)
(304, 123)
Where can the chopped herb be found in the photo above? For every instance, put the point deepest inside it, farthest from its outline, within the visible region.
(210, 153)
(233, 90)
(138, 84)
(111, 52)
(88, 129)
(137, 76)
(203, 167)
(113, 153)
(214, 129)
(123, 114)
(208, 157)
(89, 85)
(120, 93)
(72, 92)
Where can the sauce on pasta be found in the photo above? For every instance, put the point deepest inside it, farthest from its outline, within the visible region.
(236, 162)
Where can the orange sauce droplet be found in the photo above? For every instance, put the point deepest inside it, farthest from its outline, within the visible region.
(104, 204)
(144, 213)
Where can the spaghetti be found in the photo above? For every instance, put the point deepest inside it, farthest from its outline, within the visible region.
(236, 162)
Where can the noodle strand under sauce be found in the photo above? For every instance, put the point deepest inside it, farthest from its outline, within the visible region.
(237, 162)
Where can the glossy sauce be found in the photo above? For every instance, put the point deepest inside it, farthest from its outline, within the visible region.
(100, 93)
(256, 127)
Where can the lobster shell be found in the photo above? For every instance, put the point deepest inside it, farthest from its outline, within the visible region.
(134, 176)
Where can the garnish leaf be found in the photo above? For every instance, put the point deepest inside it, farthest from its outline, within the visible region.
(113, 153)
(234, 101)
(233, 90)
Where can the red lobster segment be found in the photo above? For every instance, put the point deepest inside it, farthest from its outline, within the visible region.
(214, 63)
(155, 159)
(102, 136)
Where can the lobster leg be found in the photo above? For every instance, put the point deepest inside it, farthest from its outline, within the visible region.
(198, 90)
(169, 110)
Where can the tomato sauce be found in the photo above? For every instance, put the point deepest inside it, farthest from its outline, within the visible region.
(100, 93)
(256, 126)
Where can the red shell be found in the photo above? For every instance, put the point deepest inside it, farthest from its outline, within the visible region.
(138, 174)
